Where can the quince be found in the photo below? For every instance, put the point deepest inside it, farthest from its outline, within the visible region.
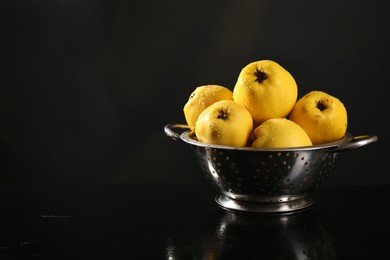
(201, 98)
(323, 116)
(224, 123)
(280, 133)
(266, 89)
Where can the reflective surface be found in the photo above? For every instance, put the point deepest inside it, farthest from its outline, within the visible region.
(243, 236)
(179, 222)
(288, 207)
(266, 180)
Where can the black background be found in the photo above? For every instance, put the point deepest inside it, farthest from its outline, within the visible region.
(87, 86)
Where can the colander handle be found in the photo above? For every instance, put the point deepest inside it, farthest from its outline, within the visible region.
(355, 142)
(169, 130)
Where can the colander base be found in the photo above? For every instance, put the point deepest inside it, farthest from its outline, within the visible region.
(258, 207)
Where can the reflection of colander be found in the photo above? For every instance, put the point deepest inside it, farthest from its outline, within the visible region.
(266, 180)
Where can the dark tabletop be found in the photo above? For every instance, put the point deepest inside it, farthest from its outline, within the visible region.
(182, 221)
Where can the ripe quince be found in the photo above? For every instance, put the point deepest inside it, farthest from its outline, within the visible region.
(323, 116)
(280, 133)
(266, 89)
(201, 98)
(224, 123)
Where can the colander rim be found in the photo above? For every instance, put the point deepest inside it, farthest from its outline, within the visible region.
(188, 137)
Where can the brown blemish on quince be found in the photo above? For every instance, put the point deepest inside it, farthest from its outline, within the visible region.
(321, 106)
(222, 114)
(260, 76)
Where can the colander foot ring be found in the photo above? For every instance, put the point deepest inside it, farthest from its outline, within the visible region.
(258, 207)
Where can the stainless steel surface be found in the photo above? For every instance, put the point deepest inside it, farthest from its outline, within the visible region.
(271, 180)
(260, 207)
(168, 129)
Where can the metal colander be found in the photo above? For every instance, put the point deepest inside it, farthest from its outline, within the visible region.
(266, 180)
